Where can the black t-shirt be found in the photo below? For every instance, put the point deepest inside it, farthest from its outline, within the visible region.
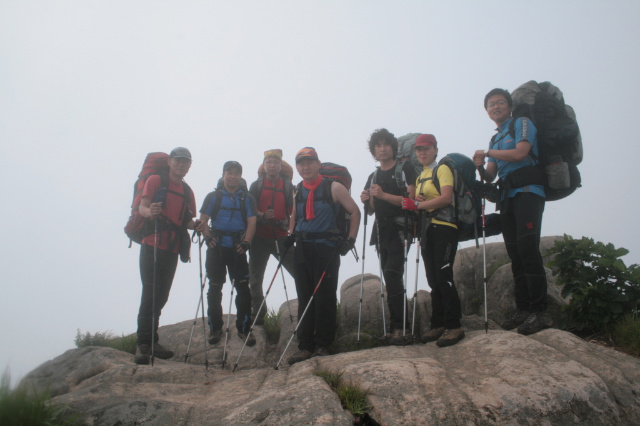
(386, 179)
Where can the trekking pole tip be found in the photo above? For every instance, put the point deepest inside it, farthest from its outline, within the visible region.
(234, 367)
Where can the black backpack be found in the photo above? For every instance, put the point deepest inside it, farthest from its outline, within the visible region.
(559, 141)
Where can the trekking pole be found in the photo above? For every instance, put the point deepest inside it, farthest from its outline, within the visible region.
(333, 256)
(261, 305)
(484, 267)
(406, 270)
(153, 291)
(364, 242)
(384, 324)
(280, 257)
(226, 337)
(200, 303)
(415, 290)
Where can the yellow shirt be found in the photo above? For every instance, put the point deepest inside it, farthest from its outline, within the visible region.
(426, 188)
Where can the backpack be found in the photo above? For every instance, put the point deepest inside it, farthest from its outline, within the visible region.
(466, 209)
(287, 186)
(244, 192)
(333, 173)
(138, 227)
(407, 152)
(559, 141)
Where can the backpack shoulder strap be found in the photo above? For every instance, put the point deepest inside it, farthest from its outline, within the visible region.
(399, 176)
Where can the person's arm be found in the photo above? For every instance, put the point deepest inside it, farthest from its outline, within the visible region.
(292, 220)
(341, 196)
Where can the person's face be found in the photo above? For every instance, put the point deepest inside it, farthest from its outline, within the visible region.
(308, 168)
(383, 151)
(231, 179)
(179, 166)
(272, 166)
(426, 154)
(498, 109)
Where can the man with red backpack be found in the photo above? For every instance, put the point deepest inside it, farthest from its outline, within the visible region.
(167, 212)
(273, 192)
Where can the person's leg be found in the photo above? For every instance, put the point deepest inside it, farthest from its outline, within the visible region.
(304, 276)
(240, 272)
(216, 273)
(325, 301)
(392, 259)
(445, 245)
(260, 252)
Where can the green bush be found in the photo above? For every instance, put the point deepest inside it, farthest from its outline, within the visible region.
(352, 396)
(626, 333)
(602, 288)
(19, 407)
(107, 339)
(272, 325)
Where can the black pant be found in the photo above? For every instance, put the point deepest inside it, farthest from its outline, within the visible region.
(439, 253)
(221, 260)
(392, 263)
(318, 327)
(165, 266)
(521, 219)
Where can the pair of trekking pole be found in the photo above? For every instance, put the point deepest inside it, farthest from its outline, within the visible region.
(200, 306)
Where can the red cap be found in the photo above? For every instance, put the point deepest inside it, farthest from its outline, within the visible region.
(426, 140)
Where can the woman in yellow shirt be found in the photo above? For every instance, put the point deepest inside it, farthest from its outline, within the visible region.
(439, 244)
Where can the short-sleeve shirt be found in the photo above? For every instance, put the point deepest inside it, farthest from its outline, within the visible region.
(524, 131)
(426, 187)
(173, 210)
(387, 181)
(229, 217)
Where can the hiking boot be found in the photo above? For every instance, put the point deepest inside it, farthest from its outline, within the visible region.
(143, 353)
(451, 336)
(433, 335)
(396, 338)
(214, 336)
(301, 355)
(161, 352)
(516, 318)
(535, 322)
(321, 351)
(251, 341)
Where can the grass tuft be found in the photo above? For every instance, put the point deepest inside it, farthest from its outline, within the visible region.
(352, 396)
(272, 325)
(626, 333)
(108, 340)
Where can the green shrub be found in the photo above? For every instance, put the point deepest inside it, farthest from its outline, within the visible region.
(19, 407)
(352, 396)
(107, 339)
(602, 288)
(272, 325)
(626, 333)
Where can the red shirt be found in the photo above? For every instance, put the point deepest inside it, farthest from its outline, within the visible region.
(172, 210)
(275, 200)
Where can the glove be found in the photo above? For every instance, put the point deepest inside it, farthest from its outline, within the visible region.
(243, 246)
(347, 245)
(289, 241)
(409, 204)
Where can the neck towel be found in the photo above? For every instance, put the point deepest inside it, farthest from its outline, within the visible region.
(309, 214)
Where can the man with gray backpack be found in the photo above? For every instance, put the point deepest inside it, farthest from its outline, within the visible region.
(521, 205)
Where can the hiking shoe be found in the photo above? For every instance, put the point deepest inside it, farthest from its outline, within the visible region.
(301, 355)
(396, 338)
(516, 319)
(161, 352)
(535, 322)
(451, 336)
(251, 341)
(143, 353)
(321, 351)
(433, 335)
(214, 336)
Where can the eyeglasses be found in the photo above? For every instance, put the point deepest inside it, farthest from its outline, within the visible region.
(496, 103)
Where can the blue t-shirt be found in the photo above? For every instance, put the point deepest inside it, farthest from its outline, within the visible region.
(229, 217)
(524, 131)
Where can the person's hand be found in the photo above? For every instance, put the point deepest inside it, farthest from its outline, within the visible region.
(243, 246)
(269, 214)
(199, 225)
(409, 204)
(420, 198)
(364, 196)
(289, 241)
(376, 191)
(478, 158)
(155, 209)
(211, 242)
(347, 245)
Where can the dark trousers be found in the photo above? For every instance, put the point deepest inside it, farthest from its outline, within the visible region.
(392, 262)
(439, 253)
(521, 219)
(165, 267)
(318, 327)
(261, 250)
(220, 261)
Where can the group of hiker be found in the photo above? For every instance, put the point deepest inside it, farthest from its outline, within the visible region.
(307, 227)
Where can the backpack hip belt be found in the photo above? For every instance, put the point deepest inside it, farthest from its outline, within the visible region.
(333, 235)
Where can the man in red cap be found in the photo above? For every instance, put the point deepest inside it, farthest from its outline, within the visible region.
(313, 227)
